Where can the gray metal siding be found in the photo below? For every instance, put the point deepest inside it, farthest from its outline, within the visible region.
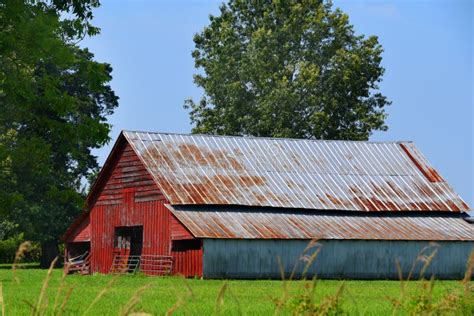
(358, 259)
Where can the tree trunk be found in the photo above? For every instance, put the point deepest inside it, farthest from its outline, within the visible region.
(49, 251)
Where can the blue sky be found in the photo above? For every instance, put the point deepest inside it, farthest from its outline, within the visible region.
(428, 60)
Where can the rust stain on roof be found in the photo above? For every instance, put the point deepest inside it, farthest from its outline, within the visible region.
(427, 171)
(290, 173)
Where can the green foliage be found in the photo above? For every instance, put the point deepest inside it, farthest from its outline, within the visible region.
(7, 229)
(54, 101)
(9, 246)
(287, 69)
(82, 11)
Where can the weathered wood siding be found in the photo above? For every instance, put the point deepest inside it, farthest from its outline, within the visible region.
(188, 262)
(127, 174)
(178, 231)
(233, 258)
(82, 233)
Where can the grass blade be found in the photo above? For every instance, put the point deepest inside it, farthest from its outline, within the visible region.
(220, 298)
(66, 299)
(40, 305)
(2, 302)
(60, 287)
(182, 299)
(134, 300)
(101, 293)
(468, 275)
(19, 254)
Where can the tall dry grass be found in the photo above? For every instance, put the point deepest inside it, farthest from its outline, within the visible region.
(101, 294)
(20, 253)
(60, 291)
(134, 300)
(220, 299)
(306, 302)
(417, 302)
(2, 303)
(42, 303)
(182, 297)
(422, 301)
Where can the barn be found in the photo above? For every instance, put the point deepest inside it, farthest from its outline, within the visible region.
(252, 207)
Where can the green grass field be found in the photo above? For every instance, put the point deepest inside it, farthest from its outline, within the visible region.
(197, 297)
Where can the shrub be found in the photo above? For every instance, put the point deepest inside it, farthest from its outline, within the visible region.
(9, 246)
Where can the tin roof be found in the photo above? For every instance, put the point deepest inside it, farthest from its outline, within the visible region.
(293, 173)
(270, 223)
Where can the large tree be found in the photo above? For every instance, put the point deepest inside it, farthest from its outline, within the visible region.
(287, 69)
(54, 100)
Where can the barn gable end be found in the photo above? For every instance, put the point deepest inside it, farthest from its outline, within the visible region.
(125, 195)
(122, 172)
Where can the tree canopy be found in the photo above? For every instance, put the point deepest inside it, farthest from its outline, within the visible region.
(54, 100)
(287, 69)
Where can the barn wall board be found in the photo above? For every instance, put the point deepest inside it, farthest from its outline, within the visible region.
(81, 233)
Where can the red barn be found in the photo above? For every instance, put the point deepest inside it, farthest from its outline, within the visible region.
(217, 206)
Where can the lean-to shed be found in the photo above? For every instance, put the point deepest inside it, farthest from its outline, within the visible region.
(247, 207)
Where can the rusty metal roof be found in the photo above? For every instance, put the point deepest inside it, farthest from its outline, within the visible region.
(270, 223)
(293, 173)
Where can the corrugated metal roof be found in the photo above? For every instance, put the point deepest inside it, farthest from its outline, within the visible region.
(291, 173)
(268, 223)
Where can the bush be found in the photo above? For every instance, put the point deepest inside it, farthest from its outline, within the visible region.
(9, 246)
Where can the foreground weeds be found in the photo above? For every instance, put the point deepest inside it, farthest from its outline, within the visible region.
(422, 302)
(308, 297)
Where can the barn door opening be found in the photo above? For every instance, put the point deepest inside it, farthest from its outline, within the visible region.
(128, 244)
(77, 257)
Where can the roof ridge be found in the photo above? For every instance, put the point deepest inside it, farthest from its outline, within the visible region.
(272, 138)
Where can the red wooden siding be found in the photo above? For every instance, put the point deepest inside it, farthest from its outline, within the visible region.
(81, 233)
(178, 231)
(188, 262)
(129, 173)
(130, 197)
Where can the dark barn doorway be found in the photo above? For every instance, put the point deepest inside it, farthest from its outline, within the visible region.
(77, 257)
(128, 244)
